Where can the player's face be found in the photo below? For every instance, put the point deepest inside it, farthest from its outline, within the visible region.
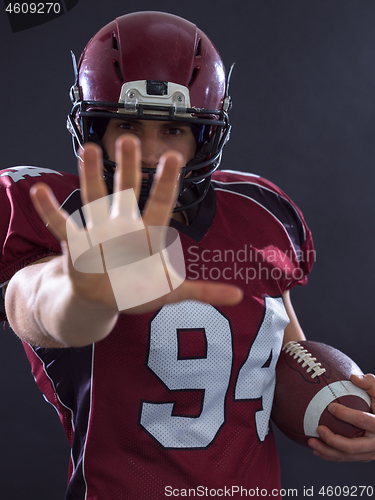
(156, 138)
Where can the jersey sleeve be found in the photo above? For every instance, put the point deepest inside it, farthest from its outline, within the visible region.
(300, 236)
(24, 238)
(280, 218)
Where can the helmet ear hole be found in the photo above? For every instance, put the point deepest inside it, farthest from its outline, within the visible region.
(114, 42)
(198, 49)
(116, 64)
(193, 76)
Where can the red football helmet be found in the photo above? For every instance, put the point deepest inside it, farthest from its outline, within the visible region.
(154, 66)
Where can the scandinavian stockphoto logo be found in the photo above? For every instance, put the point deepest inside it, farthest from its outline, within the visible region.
(143, 262)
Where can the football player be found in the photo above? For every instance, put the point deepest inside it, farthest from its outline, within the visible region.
(174, 393)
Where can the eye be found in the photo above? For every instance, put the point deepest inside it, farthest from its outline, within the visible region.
(174, 130)
(125, 126)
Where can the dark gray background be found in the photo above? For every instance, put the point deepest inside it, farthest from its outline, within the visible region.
(303, 116)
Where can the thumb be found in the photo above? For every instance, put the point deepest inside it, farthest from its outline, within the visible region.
(366, 382)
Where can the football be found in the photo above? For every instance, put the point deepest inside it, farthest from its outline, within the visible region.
(309, 377)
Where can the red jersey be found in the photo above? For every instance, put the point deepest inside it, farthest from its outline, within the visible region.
(175, 402)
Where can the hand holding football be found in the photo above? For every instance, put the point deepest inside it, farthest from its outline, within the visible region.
(309, 377)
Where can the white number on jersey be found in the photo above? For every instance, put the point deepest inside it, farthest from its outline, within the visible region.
(210, 373)
(256, 378)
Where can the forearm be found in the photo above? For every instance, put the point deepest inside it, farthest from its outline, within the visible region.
(43, 309)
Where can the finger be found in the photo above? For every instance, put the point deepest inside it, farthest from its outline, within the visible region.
(93, 189)
(366, 382)
(128, 160)
(49, 210)
(91, 174)
(216, 294)
(327, 453)
(337, 448)
(352, 446)
(164, 192)
(360, 419)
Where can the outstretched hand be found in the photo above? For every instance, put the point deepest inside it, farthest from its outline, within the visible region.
(96, 287)
(341, 449)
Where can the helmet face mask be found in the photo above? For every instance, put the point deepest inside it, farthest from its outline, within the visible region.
(153, 66)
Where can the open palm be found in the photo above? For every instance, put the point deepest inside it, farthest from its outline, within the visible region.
(143, 288)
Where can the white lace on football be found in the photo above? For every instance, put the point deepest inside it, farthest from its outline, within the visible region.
(295, 349)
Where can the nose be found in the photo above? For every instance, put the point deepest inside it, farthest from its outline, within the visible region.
(152, 149)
